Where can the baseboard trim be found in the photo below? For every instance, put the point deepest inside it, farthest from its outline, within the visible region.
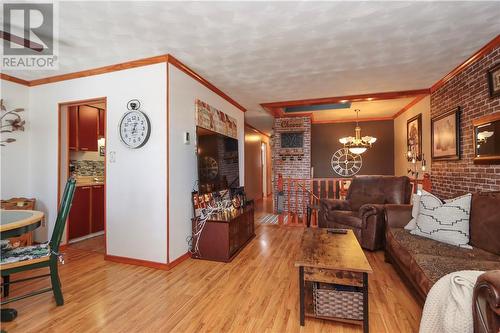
(147, 263)
(177, 261)
(137, 262)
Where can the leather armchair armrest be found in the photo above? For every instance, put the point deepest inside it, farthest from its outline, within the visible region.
(334, 204)
(371, 209)
(397, 216)
(486, 302)
(373, 226)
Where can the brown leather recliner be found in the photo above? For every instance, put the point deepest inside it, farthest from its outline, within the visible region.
(486, 303)
(363, 209)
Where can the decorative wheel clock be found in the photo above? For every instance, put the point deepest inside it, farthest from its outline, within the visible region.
(209, 168)
(135, 127)
(346, 164)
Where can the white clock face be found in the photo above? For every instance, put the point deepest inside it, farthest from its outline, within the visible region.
(135, 129)
(346, 164)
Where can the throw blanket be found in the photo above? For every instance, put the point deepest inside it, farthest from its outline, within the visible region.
(448, 307)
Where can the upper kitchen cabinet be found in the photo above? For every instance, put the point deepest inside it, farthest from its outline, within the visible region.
(102, 124)
(88, 128)
(73, 127)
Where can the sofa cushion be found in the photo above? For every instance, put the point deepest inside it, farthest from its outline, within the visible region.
(346, 217)
(417, 245)
(485, 221)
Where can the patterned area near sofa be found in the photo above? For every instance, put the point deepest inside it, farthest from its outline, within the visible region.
(423, 261)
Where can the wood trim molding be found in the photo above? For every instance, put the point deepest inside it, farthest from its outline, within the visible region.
(137, 262)
(347, 98)
(175, 62)
(494, 43)
(14, 79)
(177, 261)
(147, 263)
(257, 130)
(100, 70)
(352, 120)
(409, 105)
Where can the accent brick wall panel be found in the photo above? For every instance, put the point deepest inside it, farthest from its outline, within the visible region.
(469, 90)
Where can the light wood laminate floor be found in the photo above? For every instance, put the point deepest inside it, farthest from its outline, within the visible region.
(257, 292)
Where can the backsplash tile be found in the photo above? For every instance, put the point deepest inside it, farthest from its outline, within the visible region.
(88, 168)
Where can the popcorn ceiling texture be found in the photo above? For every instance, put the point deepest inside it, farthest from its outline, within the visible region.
(469, 90)
(273, 51)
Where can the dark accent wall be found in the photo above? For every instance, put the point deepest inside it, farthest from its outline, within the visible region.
(378, 160)
(469, 90)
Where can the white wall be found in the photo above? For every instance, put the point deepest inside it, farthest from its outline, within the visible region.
(401, 164)
(183, 91)
(15, 159)
(136, 220)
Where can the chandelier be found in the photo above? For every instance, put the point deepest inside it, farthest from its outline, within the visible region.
(357, 144)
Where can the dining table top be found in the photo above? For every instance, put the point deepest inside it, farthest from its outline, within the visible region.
(13, 219)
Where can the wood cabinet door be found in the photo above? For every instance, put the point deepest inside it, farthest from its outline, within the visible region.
(79, 215)
(102, 124)
(73, 127)
(97, 208)
(88, 128)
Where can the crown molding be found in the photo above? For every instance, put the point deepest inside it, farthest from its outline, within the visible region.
(409, 105)
(14, 79)
(494, 43)
(257, 130)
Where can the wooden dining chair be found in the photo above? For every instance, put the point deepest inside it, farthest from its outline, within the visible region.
(39, 256)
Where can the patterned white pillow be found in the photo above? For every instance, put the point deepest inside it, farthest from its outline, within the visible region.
(446, 222)
(414, 213)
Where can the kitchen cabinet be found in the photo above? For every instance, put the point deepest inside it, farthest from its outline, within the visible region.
(88, 128)
(102, 124)
(73, 127)
(97, 211)
(87, 211)
(79, 215)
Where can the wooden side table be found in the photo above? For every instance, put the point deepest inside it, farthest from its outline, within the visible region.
(334, 259)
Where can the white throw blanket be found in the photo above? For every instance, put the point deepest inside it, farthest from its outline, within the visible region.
(448, 307)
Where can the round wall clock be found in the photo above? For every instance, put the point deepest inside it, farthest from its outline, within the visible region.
(346, 164)
(134, 127)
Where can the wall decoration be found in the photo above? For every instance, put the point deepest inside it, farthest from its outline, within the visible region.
(494, 80)
(445, 136)
(134, 126)
(10, 121)
(292, 140)
(414, 137)
(209, 168)
(215, 120)
(487, 139)
(345, 163)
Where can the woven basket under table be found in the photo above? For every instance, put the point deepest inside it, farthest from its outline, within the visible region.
(338, 301)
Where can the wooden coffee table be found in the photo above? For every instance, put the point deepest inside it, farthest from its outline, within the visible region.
(335, 259)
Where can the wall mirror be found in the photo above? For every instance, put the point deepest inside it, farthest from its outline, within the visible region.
(487, 139)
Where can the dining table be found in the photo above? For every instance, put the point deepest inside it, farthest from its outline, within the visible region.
(14, 223)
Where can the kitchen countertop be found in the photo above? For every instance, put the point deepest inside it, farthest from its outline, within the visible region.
(89, 181)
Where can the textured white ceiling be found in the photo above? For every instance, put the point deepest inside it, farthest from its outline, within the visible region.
(373, 109)
(272, 51)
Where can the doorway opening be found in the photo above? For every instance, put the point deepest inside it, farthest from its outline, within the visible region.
(82, 154)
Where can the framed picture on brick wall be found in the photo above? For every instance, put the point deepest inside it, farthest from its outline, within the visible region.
(445, 136)
(494, 80)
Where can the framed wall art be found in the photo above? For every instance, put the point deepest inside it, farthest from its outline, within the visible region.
(445, 136)
(494, 80)
(414, 136)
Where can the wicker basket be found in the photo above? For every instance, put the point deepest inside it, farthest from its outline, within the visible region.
(338, 301)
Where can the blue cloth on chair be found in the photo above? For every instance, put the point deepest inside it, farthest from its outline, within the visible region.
(25, 253)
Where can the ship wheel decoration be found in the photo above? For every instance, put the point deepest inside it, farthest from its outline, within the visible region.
(346, 164)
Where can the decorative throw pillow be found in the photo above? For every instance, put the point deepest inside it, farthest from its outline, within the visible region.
(414, 213)
(446, 222)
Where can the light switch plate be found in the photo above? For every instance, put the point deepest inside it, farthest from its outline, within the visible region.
(187, 138)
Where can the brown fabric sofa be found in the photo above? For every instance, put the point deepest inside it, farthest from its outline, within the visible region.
(363, 209)
(422, 261)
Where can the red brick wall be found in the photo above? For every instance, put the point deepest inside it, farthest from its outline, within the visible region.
(469, 90)
(296, 168)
